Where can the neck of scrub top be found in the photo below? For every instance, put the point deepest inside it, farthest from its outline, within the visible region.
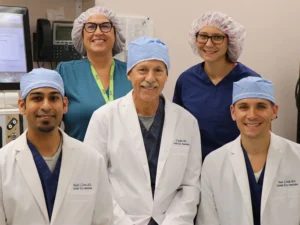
(218, 69)
(100, 61)
(145, 108)
(256, 145)
(45, 142)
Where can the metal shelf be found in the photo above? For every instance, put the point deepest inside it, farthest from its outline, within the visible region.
(8, 111)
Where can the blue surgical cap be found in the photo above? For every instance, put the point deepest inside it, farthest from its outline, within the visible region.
(146, 48)
(38, 78)
(253, 87)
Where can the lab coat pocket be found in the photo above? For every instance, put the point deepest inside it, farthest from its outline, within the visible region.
(180, 150)
(80, 206)
(293, 191)
(177, 162)
(288, 208)
(294, 197)
(81, 197)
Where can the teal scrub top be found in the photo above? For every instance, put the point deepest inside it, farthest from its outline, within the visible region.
(84, 94)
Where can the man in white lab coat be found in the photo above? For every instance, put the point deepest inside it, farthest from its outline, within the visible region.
(255, 179)
(151, 146)
(47, 177)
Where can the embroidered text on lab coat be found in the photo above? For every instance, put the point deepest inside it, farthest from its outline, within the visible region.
(181, 142)
(287, 183)
(82, 186)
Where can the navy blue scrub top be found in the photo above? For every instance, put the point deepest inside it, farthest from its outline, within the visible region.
(210, 103)
(255, 188)
(49, 180)
(152, 140)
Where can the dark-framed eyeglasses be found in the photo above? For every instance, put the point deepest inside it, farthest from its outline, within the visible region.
(92, 27)
(215, 39)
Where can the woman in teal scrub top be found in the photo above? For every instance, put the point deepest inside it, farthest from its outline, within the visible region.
(98, 78)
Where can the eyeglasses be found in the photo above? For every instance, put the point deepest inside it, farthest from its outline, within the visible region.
(92, 27)
(215, 39)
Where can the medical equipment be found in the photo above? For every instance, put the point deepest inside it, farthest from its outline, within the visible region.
(15, 60)
(53, 44)
(15, 57)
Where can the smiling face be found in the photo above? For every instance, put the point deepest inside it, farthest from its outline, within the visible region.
(148, 79)
(98, 42)
(209, 51)
(44, 109)
(253, 117)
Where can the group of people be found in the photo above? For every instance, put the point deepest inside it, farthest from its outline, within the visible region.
(129, 156)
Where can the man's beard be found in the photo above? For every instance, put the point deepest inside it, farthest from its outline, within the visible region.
(46, 129)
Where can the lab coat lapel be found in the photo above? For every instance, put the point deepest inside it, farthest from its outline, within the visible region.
(130, 118)
(240, 171)
(27, 166)
(273, 161)
(167, 137)
(68, 163)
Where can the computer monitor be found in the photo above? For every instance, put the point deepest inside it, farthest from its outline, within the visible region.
(15, 45)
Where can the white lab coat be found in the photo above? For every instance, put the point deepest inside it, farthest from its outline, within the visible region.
(225, 191)
(83, 194)
(114, 130)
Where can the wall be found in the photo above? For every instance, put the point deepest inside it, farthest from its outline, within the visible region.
(272, 46)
